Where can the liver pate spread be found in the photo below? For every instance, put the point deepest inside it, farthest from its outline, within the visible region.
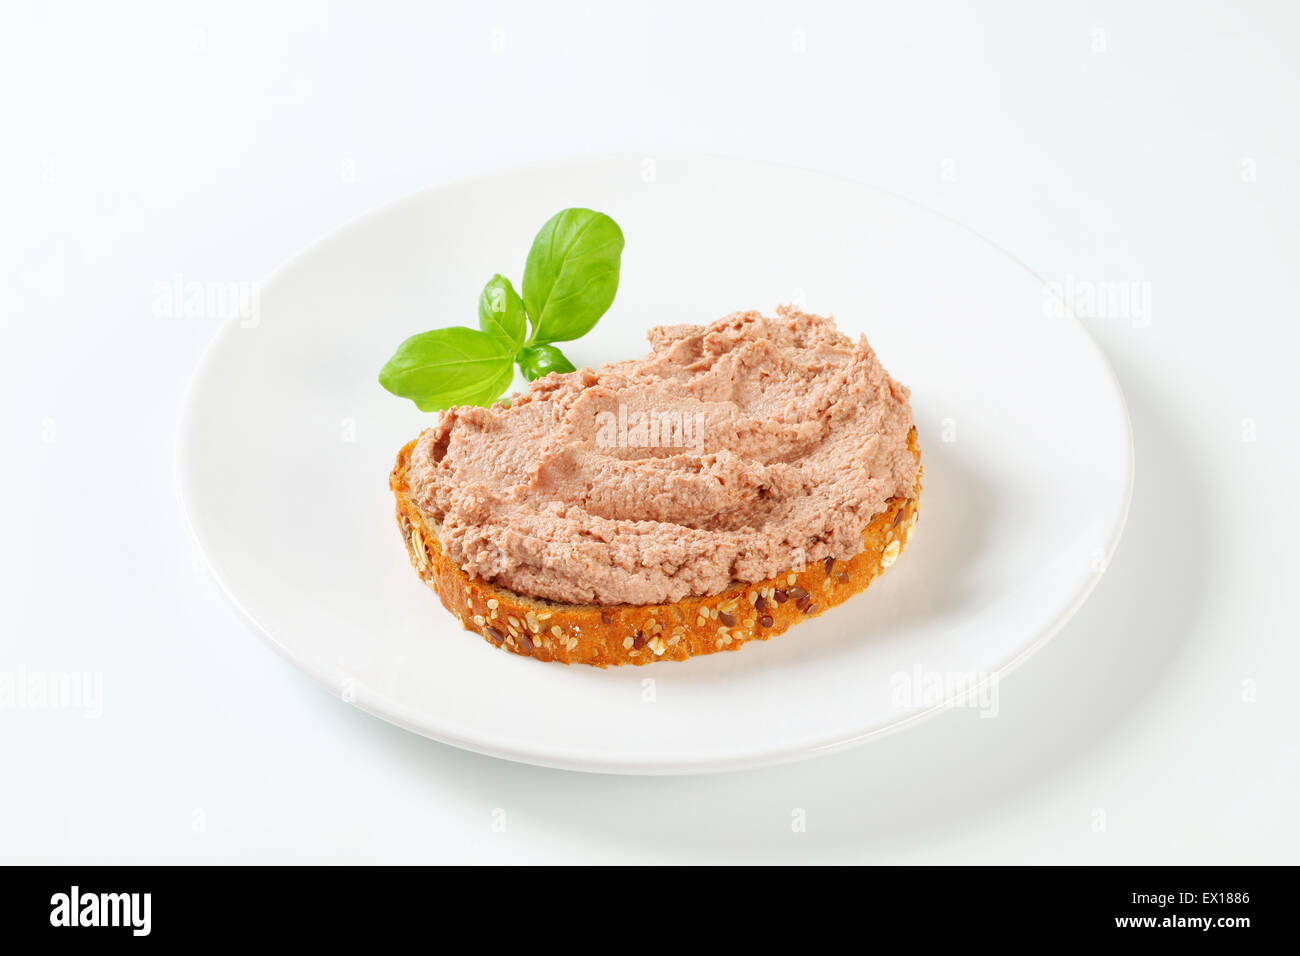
(734, 451)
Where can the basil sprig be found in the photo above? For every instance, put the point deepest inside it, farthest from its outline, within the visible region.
(571, 274)
(570, 279)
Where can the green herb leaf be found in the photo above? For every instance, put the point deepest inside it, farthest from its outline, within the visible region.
(501, 312)
(571, 274)
(536, 361)
(446, 367)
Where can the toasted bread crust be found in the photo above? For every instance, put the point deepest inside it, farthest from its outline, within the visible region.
(644, 633)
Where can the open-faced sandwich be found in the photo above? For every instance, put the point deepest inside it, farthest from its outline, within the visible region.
(740, 478)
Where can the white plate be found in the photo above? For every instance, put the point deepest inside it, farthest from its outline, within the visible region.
(286, 441)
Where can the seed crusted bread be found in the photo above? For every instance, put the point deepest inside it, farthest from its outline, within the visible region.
(644, 633)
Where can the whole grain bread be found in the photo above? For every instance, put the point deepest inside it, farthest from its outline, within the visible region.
(644, 633)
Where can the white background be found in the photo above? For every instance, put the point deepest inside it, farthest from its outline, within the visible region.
(1099, 143)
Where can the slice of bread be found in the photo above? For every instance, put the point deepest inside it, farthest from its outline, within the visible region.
(643, 633)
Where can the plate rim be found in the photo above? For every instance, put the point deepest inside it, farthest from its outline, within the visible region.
(397, 713)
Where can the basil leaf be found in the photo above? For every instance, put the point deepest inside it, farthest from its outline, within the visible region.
(446, 367)
(571, 274)
(536, 361)
(501, 312)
